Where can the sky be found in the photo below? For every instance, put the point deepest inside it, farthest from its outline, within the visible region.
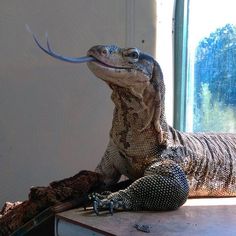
(208, 15)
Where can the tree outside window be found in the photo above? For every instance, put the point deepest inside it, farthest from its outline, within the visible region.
(211, 80)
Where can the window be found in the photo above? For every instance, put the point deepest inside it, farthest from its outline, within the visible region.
(206, 67)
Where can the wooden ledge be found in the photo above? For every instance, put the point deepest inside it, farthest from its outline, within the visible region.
(214, 216)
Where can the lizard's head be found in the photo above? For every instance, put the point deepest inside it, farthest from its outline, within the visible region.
(127, 67)
(138, 73)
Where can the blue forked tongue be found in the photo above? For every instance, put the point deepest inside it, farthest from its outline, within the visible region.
(50, 52)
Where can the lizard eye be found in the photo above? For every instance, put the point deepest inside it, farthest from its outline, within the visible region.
(133, 55)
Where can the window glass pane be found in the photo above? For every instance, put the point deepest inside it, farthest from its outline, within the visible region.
(211, 84)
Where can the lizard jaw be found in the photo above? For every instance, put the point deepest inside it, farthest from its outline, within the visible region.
(103, 64)
(108, 72)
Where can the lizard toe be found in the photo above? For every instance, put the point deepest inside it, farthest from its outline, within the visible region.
(100, 203)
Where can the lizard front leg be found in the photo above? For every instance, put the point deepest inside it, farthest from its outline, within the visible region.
(163, 187)
(108, 165)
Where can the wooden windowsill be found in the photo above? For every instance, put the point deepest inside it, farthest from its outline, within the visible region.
(215, 216)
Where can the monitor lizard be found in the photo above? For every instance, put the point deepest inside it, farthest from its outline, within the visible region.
(166, 166)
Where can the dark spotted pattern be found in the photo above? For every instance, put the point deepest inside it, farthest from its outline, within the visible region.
(163, 187)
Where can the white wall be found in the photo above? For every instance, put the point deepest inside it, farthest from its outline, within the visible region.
(165, 52)
(55, 117)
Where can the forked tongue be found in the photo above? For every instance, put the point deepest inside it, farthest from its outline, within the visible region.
(50, 52)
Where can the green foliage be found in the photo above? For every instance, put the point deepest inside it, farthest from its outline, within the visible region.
(215, 65)
(215, 82)
(213, 115)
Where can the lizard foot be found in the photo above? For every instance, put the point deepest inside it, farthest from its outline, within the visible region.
(106, 201)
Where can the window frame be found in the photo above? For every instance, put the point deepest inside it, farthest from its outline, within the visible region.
(180, 41)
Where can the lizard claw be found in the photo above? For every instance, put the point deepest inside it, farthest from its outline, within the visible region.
(95, 207)
(98, 202)
(111, 207)
(101, 203)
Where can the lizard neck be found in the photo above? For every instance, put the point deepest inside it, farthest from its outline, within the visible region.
(137, 112)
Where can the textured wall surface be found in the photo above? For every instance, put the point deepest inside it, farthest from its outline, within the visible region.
(55, 117)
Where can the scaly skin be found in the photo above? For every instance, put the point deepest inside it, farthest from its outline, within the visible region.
(167, 166)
